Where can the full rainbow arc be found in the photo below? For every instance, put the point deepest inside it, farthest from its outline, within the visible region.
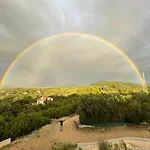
(73, 33)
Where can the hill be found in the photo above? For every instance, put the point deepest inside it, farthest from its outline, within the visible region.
(97, 104)
(95, 88)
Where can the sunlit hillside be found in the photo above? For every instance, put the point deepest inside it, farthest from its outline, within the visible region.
(95, 88)
(23, 110)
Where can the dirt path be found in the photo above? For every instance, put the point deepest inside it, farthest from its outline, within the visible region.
(49, 134)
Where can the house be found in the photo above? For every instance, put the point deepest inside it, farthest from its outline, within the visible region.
(7, 94)
(42, 100)
(2, 91)
(49, 99)
(25, 93)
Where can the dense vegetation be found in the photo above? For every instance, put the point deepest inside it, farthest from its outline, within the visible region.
(119, 107)
(21, 117)
(97, 103)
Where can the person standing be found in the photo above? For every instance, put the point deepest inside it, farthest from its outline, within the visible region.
(61, 124)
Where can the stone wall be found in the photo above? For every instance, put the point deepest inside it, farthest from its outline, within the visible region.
(88, 146)
(5, 142)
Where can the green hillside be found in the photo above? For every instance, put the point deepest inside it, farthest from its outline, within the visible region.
(99, 103)
(95, 88)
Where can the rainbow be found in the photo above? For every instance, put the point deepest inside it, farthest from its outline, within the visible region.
(73, 33)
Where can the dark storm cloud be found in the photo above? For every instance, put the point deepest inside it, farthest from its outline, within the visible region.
(124, 23)
(70, 60)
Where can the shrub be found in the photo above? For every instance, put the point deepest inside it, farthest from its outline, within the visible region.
(103, 145)
(64, 146)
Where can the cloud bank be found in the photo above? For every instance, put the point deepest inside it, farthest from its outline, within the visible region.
(124, 23)
(70, 60)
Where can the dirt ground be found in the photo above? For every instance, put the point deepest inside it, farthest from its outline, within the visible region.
(45, 137)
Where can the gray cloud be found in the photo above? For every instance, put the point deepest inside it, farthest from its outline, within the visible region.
(124, 23)
(70, 59)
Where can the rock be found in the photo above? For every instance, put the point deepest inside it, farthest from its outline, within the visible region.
(144, 123)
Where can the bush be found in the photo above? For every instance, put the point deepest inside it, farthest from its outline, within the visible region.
(20, 117)
(107, 108)
(64, 146)
(117, 146)
(21, 125)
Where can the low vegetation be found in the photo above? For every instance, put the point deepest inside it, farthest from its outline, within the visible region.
(121, 145)
(96, 104)
(64, 146)
(103, 145)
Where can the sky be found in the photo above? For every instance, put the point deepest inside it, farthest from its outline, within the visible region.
(73, 60)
